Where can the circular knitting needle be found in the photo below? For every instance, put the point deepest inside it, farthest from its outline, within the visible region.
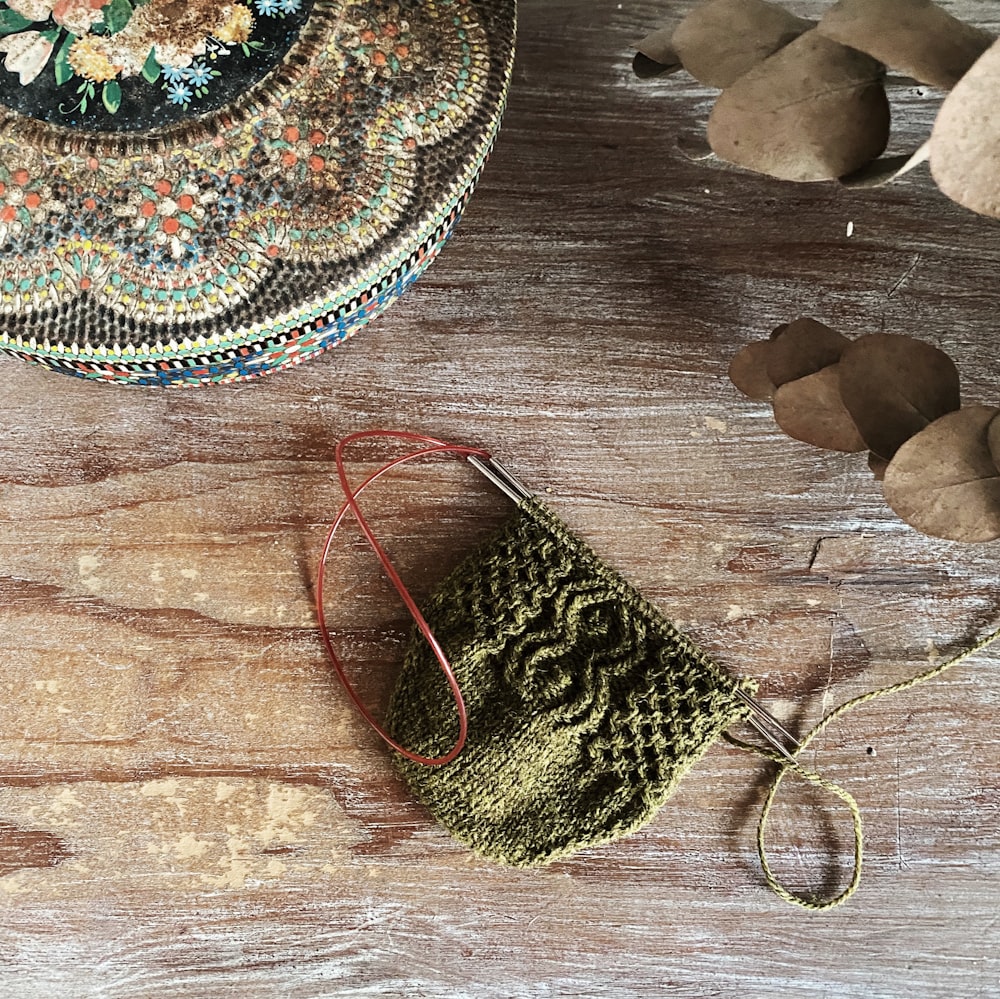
(431, 446)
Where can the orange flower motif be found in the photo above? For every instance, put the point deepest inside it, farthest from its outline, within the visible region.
(79, 16)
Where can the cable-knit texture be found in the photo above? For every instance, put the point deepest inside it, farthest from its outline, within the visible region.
(586, 706)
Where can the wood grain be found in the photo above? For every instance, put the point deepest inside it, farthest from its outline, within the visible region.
(188, 806)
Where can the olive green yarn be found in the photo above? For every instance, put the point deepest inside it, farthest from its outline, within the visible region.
(586, 706)
(813, 902)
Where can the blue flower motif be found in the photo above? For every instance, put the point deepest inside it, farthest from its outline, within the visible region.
(179, 93)
(173, 74)
(267, 7)
(290, 6)
(198, 75)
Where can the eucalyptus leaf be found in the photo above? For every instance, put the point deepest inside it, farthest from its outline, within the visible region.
(815, 110)
(993, 442)
(723, 39)
(802, 348)
(748, 371)
(944, 481)
(915, 37)
(655, 55)
(810, 409)
(894, 386)
(965, 142)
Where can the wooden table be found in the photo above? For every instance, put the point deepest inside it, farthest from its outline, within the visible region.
(188, 805)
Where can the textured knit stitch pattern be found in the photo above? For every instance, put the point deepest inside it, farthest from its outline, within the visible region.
(586, 706)
(226, 244)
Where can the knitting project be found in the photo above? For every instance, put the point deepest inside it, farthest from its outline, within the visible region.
(572, 708)
(195, 192)
(586, 706)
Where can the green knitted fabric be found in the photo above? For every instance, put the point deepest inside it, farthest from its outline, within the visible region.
(585, 705)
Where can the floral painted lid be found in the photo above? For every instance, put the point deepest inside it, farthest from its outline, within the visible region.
(194, 191)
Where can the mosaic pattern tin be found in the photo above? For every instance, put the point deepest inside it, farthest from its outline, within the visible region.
(195, 191)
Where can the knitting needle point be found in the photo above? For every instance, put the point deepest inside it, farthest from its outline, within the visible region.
(767, 725)
(765, 716)
(503, 479)
(770, 738)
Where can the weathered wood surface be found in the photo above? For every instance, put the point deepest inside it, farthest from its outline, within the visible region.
(188, 807)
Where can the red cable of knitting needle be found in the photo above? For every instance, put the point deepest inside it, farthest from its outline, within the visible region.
(433, 446)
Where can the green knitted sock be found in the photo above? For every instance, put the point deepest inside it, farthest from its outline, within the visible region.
(585, 705)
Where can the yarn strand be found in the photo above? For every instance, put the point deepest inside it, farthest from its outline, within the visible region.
(814, 903)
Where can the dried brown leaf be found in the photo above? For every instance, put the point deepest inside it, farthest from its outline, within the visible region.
(721, 40)
(944, 481)
(802, 348)
(811, 410)
(748, 371)
(655, 54)
(894, 386)
(965, 142)
(815, 110)
(915, 37)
